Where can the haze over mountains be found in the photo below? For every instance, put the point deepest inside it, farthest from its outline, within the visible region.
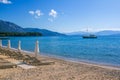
(100, 33)
(6, 26)
(44, 32)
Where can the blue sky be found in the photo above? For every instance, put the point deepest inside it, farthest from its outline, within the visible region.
(63, 15)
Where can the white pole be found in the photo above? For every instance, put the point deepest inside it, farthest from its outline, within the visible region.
(36, 48)
(19, 45)
(9, 44)
(0, 43)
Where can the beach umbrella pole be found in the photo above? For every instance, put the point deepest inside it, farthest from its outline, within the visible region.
(9, 44)
(0, 43)
(36, 48)
(19, 45)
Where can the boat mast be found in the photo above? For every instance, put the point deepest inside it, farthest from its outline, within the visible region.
(87, 31)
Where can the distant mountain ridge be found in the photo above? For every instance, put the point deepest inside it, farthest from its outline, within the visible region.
(78, 33)
(6, 26)
(44, 32)
(108, 32)
(100, 33)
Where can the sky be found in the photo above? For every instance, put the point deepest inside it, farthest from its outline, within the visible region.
(63, 15)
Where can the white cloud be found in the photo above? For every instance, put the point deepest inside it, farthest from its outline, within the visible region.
(36, 13)
(31, 12)
(53, 13)
(5, 1)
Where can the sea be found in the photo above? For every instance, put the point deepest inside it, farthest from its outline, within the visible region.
(102, 50)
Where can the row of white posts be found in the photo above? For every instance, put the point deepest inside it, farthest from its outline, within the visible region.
(19, 46)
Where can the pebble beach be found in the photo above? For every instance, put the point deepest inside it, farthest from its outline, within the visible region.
(61, 70)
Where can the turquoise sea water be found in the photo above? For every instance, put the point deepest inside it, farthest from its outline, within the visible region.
(103, 50)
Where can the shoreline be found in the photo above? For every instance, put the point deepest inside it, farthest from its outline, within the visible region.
(83, 62)
(60, 70)
(53, 57)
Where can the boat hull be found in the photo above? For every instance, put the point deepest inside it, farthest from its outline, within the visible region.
(89, 37)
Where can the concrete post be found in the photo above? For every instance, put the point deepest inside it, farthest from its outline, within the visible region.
(9, 44)
(36, 48)
(0, 43)
(19, 45)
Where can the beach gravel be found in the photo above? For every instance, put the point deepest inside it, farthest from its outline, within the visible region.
(61, 70)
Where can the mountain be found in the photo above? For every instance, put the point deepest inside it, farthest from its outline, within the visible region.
(108, 32)
(100, 33)
(44, 32)
(6, 26)
(116, 35)
(79, 33)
